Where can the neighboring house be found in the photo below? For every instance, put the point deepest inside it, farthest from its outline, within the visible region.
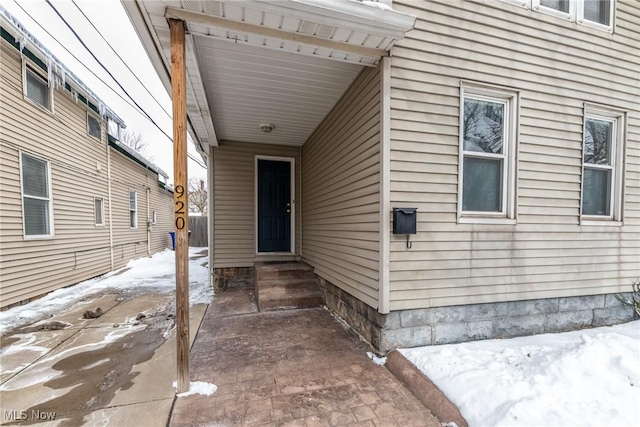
(513, 127)
(75, 203)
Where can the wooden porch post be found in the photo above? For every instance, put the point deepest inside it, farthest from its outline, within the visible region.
(178, 96)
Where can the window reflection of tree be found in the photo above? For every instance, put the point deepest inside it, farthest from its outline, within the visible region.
(598, 136)
(485, 134)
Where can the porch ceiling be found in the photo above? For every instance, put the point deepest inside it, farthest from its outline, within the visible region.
(280, 62)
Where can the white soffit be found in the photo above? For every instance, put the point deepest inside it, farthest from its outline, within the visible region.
(280, 62)
(250, 85)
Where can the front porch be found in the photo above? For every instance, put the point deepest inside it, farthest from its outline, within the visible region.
(294, 367)
(296, 81)
(277, 285)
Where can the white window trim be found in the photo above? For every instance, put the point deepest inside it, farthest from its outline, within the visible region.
(618, 147)
(51, 234)
(522, 3)
(135, 218)
(570, 16)
(598, 26)
(99, 122)
(101, 223)
(575, 14)
(511, 99)
(26, 63)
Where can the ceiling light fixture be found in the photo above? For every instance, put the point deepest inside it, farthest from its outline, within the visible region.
(266, 127)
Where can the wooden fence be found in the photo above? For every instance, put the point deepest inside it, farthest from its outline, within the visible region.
(199, 236)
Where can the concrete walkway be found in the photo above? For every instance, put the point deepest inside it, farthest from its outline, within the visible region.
(289, 368)
(114, 370)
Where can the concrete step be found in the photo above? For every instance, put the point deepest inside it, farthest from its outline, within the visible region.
(311, 283)
(282, 299)
(296, 270)
(287, 285)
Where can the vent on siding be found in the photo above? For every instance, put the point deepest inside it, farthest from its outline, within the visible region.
(325, 31)
(194, 5)
(213, 7)
(319, 30)
(307, 27)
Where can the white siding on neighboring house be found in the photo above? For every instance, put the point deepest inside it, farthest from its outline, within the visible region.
(340, 191)
(556, 66)
(234, 203)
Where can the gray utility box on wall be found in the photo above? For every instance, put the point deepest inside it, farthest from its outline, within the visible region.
(404, 220)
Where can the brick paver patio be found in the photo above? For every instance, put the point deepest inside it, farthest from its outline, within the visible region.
(289, 368)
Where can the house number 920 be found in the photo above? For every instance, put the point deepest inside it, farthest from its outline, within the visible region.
(180, 208)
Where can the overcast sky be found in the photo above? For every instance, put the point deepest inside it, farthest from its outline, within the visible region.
(109, 17)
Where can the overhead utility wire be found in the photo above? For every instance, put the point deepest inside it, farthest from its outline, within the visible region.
(101, 64)
(77, 59)
(138, 109)
(131, 71)
(121, 60)
(114, 79)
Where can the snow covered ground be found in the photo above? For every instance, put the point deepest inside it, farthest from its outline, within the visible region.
(155, 273)
(197, 387)
(588, 378)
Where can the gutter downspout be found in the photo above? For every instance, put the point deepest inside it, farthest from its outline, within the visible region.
(385, 185)
(210, 222)
(299, 206)
(110, 212)
(148, 220)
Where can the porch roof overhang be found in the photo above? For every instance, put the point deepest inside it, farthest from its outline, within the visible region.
(284, 63)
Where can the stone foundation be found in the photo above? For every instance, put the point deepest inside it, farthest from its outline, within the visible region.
(233, 278)
(454, 324)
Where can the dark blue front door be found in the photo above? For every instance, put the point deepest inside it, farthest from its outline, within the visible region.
(274, 206)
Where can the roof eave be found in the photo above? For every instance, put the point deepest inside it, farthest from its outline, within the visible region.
(150, 44)
(11, 24)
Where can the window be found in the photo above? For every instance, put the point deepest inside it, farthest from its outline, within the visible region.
(133, 209)
(598, 12)
(154, 218)
(561, 6)
(36, 87)
(602, 186)
(98, 209)
(94, 127)
(594, 13)
(37, 212)
(487, 154)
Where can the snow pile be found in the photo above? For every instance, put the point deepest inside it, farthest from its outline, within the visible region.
(380, 361)
(588, 377)
(155, 273)
(197, 387)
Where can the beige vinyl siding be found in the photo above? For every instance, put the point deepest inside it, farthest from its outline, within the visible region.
(341, 191)
(79, 249)
(162, 203)
(556, 66)
(126, 175)
(234, 204)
